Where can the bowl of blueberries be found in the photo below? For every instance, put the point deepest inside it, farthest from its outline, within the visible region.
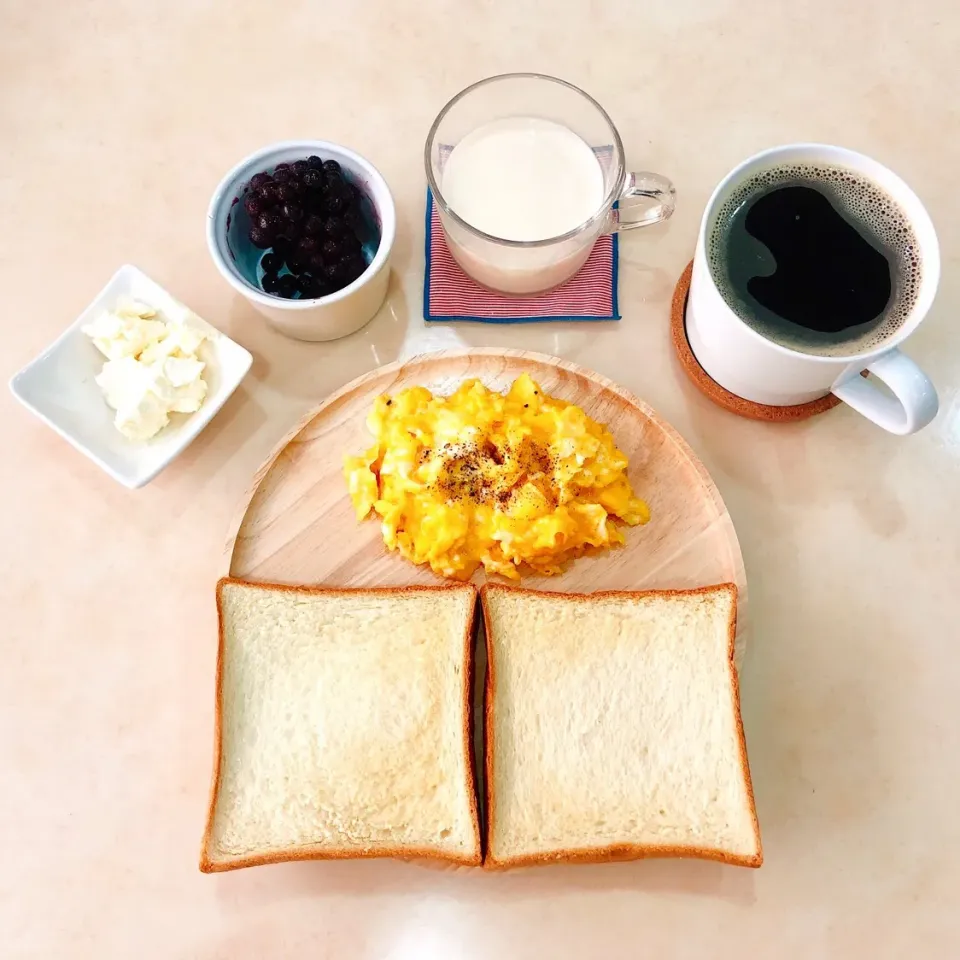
(304, 229)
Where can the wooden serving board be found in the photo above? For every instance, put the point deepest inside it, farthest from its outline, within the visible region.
(297, 524)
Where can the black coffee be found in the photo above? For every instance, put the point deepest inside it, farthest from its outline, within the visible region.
(816, 258)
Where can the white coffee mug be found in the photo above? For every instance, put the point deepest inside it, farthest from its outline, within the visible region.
(749, 365)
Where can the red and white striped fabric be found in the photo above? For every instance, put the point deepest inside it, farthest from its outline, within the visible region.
(449, 294)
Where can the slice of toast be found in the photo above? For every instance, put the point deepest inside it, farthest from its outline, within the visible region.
(343, 725)
(613, 728)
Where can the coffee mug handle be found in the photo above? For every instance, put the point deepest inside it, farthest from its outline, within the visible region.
(643, 186)
(913, 404)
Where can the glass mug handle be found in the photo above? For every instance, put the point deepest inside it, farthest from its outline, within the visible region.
(652, 197)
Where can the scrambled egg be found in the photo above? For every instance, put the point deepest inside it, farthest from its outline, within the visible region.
(482, 478)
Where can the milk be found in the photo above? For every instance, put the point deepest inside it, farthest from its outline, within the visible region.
(523, 178)
(527, 179)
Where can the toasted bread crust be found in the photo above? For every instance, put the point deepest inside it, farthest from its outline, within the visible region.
(613, 852)
(489, 689)
(319, 851)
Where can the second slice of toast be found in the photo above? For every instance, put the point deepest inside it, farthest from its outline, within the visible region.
(613, 728)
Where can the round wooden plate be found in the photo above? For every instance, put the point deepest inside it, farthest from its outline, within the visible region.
(297, 524)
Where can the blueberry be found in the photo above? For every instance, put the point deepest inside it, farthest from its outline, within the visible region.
(313, 225)
(260, 238)
(313, 200)
(253, 204)
(335, 274)
(312, 178)
(314, 162)
(269, 223)
(354, 266)
(282, 247)
(268, 192)
(318, 288)
(259, 179)
(331, 166)
(287, 286)
(335, 228)
(317, 263)
(271, 263)
(334, 201)
(282, 173)
(307, 246)
(305, 284)
(331, 250)
(292, 211)
(270, 283)
(300, 167)
(287, 192)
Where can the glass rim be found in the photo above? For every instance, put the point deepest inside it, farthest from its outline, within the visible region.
(608, 200)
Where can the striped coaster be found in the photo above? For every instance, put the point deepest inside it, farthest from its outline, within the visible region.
(449, 294)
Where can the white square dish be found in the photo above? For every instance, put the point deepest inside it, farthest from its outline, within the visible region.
(59, 387)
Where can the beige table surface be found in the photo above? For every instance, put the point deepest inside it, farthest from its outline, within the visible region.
(118, 119)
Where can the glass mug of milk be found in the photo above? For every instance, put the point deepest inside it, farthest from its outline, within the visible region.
(525, 170)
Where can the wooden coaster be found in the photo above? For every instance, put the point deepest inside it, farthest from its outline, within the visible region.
(719, 395)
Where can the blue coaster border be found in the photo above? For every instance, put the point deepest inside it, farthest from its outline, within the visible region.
(427, 315)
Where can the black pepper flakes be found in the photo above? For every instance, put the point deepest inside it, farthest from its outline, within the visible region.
(471, 471)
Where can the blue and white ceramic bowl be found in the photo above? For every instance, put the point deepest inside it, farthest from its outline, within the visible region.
(324, 318)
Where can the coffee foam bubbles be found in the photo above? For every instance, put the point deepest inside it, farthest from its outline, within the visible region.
(862, 203)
